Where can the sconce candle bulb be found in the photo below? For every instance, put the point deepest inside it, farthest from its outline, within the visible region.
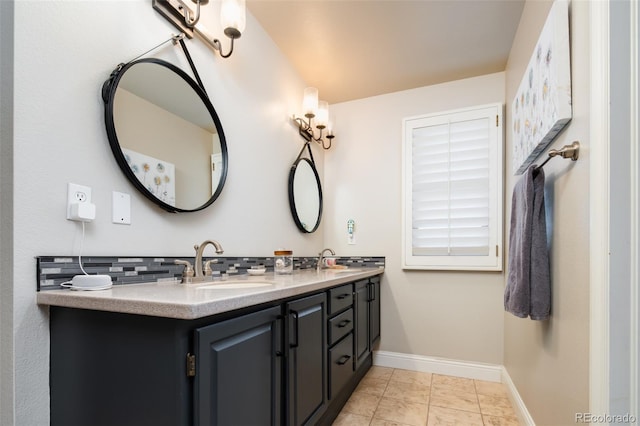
(322, 118)
(310, 102)
(312, 108)
(233, 17)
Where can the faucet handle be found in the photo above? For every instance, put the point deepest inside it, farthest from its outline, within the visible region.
(187, 273)
(207, 267)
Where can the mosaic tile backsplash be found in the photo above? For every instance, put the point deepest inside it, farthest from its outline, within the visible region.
(54, 270)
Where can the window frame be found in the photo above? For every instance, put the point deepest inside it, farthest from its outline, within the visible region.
(494, 260)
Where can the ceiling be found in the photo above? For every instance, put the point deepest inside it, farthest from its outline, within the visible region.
(353, 49)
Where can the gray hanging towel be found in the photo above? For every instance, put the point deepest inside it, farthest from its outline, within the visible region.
(528, 290)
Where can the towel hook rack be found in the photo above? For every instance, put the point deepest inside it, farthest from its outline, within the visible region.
(568, 151)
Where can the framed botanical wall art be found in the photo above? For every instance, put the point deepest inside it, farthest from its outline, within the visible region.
(542, 105)
(158, 176)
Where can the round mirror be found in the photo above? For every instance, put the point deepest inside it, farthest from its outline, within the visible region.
(305, 195)
(165, 135)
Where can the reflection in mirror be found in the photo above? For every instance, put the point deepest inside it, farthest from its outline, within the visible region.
(166, 135)
(305, 195)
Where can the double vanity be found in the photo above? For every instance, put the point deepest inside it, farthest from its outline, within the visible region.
(252, 350)
(233, 350)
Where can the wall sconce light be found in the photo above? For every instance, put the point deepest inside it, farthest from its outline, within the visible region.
(313, 108)
(232, 18)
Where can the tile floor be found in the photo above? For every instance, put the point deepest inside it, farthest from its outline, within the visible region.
(393, 397)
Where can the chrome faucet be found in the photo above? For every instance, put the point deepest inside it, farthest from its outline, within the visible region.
(199, 276)
(321, 256)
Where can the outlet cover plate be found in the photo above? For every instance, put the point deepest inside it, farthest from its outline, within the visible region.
(77, 194)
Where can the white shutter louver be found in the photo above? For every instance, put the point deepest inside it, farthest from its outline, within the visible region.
(451, 186)
(451, 189)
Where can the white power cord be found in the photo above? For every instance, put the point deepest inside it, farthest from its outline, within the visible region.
(81, 247)
(68, 283)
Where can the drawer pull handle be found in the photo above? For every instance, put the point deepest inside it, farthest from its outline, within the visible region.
(343, 359)
(343, 296)
(344, 323)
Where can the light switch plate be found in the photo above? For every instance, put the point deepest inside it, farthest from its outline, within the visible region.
(121, 208)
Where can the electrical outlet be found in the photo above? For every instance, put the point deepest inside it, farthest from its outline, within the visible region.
(80, 196)
(77, 194)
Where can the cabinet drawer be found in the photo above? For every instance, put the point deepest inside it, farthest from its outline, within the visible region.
(340, 298)
(340, 365)
(340, 326)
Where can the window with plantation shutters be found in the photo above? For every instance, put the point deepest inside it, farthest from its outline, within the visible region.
(452, 191)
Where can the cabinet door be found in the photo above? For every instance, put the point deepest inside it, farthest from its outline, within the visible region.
(362, 321)
(307, 376)
(238, 370)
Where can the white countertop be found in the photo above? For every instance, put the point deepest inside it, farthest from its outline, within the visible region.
(188, 301)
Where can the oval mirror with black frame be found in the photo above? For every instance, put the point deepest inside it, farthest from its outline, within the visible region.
(165, 135)
(305, 195)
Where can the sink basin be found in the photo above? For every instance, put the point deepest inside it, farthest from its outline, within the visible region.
(232, 285)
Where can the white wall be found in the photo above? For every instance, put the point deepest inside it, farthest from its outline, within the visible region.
(548, 361)
(456, 315)
(64, 50)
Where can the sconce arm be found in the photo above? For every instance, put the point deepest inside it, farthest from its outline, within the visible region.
(306, 131)
(329, 138)
(188, 19)
(218, 46)
(215, 43)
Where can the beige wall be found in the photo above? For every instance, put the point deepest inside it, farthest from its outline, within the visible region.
(549, 361)
(455, 315)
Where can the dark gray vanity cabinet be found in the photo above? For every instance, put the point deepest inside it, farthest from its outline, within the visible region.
(287, 362)
(306, 359)
(367, 305)
(239, 370)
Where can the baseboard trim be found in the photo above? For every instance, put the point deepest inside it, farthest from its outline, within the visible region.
(469, 370)
(518, 404)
